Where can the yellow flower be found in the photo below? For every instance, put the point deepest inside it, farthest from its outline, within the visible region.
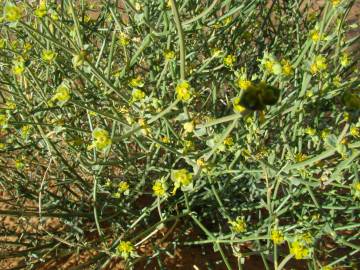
(125, 249)
(306, 238)
(299, 250)
(19, 164)
(2, 146)
(216, 52)
(10, 105)
(310, 131)
(62, 94)
(243, 83)
(79, 59)
(27, 47)
(3, 120)
(41, 10)
(159, 188)
(357, 187)
(181, 178)
(277, 237)
(335, 2)
(315, 35)
(12, 13)
(138, 95)
(183, 91)
(101, 139)
(189, 127)
(25, 130)
(229, 141)
(344, 59)
(325, 133)
(327, 268)
(271, 64)
(300, 157)
(237, 106)
(136, 82)
(48, 55)
(355, 131)
(287, 69)
(239, 225)
(123, 187)
(18, 67)
(169, 55)
(318, 65)
(145, 129)
(165, 139)
(229, 60)
(124, 39)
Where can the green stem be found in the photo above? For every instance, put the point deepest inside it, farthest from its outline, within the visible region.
(181, 38)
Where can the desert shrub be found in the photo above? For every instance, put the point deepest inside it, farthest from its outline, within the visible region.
(130, 124)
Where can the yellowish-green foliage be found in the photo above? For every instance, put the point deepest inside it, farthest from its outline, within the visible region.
(135, 122)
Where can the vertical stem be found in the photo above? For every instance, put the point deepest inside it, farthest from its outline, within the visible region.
(181, 38)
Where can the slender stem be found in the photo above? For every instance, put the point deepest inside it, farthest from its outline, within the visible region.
(181, 38)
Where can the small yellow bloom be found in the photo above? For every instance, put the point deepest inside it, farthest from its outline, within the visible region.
(277, 237)
(229, 141)
(3, 120)
(237, 106)
(62, 94)
(325, 133)
(18, 67)
(344, 59)
(101, 139)
(216, 52)
(19, 164)
(41, 10)
(229, 60)
(181, 178)
(138, 95)
(79, 59)
(169, 55)
(12, 13)
(306, 238)
(287, 69)
(165, 139)
(183, 91)
(125, 249)
(335, 3)
(48, 55)
(189, 127)
(318, 65)
(244, 83)
(124, 39)
(315, 35)
(310, 131)
(159, 188)
(2, 146)
(25, 130)
(239, 225)
(10, 105)
(123, 187)
(300, 157)
(136, 82)
(355, 131)
(299, 250)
